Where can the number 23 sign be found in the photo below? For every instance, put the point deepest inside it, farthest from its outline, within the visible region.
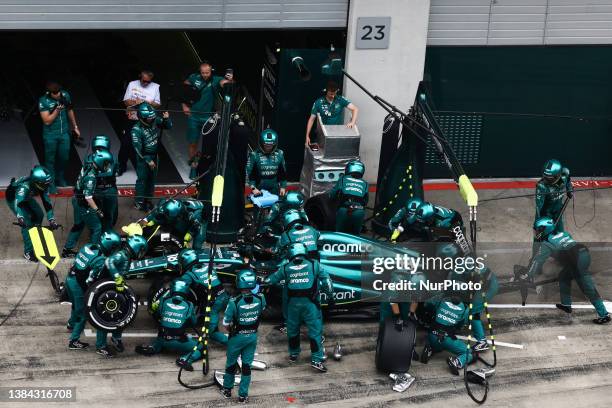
(373, 32)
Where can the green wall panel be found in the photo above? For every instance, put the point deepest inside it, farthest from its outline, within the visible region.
(565, 80)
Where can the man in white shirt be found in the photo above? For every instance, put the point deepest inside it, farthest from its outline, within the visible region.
(138, 91)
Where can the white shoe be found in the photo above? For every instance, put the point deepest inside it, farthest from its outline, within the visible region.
(403, 382)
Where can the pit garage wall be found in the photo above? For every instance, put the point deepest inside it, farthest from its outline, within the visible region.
(392, 73)
(169, 14)
(547, 57)
(524, 56)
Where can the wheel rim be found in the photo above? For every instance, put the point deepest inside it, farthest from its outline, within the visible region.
(112, 306)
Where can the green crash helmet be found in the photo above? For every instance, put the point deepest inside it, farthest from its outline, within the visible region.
(146, 113)
(137, 246)
(268, 139)
(425, 212)
(354, 168)
(412, 204)
(447, 251)
(294, 199)
(290, 218)
(187, 258)
(543, 226)
(245, 279)
(102, 160)
(41, 178)
(296, 249)
(192, 204)
(552, 171)
(100, 142)
(179, 288)
(109, 241)
(171, 208)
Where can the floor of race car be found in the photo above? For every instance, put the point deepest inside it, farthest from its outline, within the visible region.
(545, 358)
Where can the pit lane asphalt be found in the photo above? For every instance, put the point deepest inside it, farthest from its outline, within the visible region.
(564, 362)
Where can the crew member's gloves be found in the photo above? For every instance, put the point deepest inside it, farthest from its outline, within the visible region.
(53, 225)
(399, 323)
(396, 233)
(100, 213)
(119, 283)
(155, 306)
(21, 222)
(89, 280)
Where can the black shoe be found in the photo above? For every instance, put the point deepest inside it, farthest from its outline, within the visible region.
(68, 253)
(105, 352)
(317, 365)
(566, 309)
(426, 354)
(292, 359)
(243, 400)
(30, 256)
(118, 345)
(184, 364)
(281, 328)
(454, 364)
(480, 347)
(226, 392)
(77, 345)
(602, 319)
(145, 350)
(140, 206)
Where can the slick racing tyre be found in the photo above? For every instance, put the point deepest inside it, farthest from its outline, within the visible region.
(394, 348)
(159, 288)
(108, 309)
(321, 211)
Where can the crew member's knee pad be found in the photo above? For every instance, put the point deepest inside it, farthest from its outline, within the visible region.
(314, 345)
(294, 342)
(77, 227)
(246, 369)
(231, 370)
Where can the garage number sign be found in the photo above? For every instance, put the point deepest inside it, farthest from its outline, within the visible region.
(373, 32)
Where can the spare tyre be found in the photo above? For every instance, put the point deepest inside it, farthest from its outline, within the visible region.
(394, 348)
(321, 211)
(110, 310)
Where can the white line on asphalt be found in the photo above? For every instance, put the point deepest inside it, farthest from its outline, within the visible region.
(607, 304)
(499, 343)
(91, 333)
(562, 337)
